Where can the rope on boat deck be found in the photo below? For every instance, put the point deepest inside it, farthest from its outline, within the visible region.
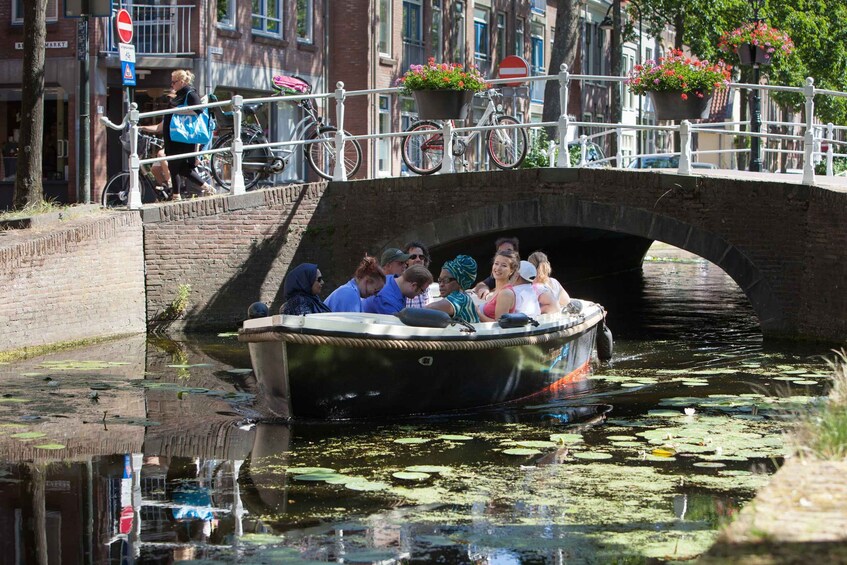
(416, 345)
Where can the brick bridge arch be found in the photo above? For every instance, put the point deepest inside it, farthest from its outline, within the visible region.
(556, 211)
(784, 244)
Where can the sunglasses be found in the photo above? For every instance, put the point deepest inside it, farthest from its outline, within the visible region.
(446, 280)
(416, 256)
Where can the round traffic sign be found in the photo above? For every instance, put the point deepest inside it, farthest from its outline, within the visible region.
(123, 22)
(513, 67)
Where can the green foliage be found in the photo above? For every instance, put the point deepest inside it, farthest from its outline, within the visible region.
(178, 305)
(839, 166)
(823, 432)
(536, 156)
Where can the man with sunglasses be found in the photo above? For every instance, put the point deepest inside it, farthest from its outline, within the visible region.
(393, 262)
(418, 255)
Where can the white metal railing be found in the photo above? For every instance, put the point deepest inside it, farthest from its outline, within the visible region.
(686, 129)
(157, 30)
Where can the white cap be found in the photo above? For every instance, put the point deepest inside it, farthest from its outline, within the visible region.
(527, 271)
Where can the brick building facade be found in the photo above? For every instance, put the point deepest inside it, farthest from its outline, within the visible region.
(236, 47)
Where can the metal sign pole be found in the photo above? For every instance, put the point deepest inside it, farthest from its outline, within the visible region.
(84, 177)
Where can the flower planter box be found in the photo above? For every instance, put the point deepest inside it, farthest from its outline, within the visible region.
(750, 54)
(443, 104)
(670, 106)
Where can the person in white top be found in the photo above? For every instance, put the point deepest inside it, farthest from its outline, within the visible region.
(530, 298)
(543, 271)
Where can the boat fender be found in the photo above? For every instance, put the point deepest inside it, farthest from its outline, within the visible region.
(515, 320)
(424, 317)
(574, 306)
(257, 310)
(605, 342)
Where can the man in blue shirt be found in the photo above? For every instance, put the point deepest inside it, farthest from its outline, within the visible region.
(392, 298)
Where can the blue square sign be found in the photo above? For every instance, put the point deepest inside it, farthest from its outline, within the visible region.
(128, 73)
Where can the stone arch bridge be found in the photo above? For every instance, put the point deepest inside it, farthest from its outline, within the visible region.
(783, 243)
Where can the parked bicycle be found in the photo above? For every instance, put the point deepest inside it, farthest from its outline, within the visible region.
(423, 150)
(116, 192)
(262, 162)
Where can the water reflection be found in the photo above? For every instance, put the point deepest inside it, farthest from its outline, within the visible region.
(148, 451)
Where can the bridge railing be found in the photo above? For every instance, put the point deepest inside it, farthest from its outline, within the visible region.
(686, 129)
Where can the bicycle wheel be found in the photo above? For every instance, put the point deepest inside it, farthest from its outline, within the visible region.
(506, 146)
(423, 152)
(321, 155)
(116, 192)
(252, 162)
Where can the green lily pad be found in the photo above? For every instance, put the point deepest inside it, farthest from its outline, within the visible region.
(309, 470)
(454, 437)
(315, 477)
(566, 438)
(709, 464)
(427, 469)
(536, 444)
(805, 382)
(410, 475)
(411, 440)
(50, 446)
(664, 413)
(363, 485)
(695, 383)
(621, 438)
(14, 400)
(627, 444)
(521, 451)
(28, 435)
(596, 455)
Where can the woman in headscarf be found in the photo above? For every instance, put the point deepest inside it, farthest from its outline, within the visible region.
(301, 291)
(457, 275)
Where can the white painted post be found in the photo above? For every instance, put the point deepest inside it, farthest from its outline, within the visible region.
(134, 197)
(619, 154)
(551, 153)
(583, 149)
(809, 137)
(564, 159)
(340, 172)
(685, 149)
(448, 165)
(237, 180)
(830, 137)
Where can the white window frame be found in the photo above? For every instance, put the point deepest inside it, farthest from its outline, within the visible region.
(520, 37)
(306, 11)
(383, 144)
(385, 30)
(264, 19)
(18, 6)
(501, 36)
(229, 22)
(437, 31)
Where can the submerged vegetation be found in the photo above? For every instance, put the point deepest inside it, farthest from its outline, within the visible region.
(822, 434)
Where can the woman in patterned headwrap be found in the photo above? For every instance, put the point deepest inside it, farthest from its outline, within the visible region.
(456, 277)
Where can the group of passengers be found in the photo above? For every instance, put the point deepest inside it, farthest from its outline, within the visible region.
(402, 280)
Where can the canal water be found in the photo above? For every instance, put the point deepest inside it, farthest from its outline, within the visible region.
(147, 450)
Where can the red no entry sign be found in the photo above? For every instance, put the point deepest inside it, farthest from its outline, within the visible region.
(513, 67)
(123, 21)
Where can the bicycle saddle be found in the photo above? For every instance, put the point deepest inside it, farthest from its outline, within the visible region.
(250, 109)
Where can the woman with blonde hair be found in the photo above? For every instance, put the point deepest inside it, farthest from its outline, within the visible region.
(543, 272)
(181, 170)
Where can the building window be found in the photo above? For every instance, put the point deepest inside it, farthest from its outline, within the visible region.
(459, 33)
(519, 39)
(436, 32)
(383, 144)
(538, 69)
(305, 21)
(18, 11)
(385, 28)
(628, 97)
(226, 14)
(267, 17)
(413, 45)
(482, 59)
(501, 36)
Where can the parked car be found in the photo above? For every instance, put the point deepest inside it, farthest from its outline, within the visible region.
(665, 162)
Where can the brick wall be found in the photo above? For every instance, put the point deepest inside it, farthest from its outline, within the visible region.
(83, 279)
